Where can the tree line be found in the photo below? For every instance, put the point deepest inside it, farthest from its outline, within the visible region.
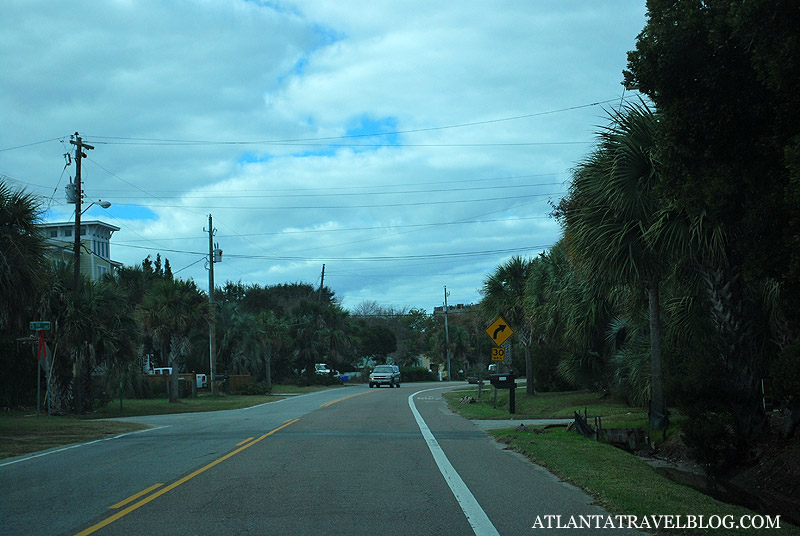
(676, 280)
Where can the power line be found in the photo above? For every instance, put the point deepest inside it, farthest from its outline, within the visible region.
(34, 143)
(376, 186)
(463, 254)
(351, 194)
(120, 140)
(351, 229)
(350, 207)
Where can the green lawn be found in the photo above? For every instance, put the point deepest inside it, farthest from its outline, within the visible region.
(21, 434)
(542, 405)
(620, 482)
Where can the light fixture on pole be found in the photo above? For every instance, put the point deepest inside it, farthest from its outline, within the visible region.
(99, 202)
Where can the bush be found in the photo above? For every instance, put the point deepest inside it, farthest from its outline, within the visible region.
(711, 439)
(416, 374)
(304, 380)
(259, 388)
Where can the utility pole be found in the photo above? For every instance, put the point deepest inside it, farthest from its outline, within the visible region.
(212, 311)
(447, 336)
(79, 154)
(321, 284)
(79, 147)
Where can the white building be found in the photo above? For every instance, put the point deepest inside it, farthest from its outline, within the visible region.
(95, 245)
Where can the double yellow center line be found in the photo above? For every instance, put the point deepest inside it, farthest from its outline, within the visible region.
(332, 402)
(122, 513)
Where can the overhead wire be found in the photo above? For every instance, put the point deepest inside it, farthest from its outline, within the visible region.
(121, 140)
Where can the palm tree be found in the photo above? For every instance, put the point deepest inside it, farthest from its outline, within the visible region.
(568, 314)
(504, 294)
(22, 267)
(612, 204)
(169, 311)
(22, 258)
(273, 334)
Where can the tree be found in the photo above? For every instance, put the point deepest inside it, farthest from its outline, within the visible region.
(22, 260)
(569, 313)
(418, 325)
(611, 206)
(504, 294)
(22, 268)
(723, 76)
(377, 341)
(169, 311)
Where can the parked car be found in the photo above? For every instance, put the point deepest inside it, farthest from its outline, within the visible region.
(385, 375)
(321, 368)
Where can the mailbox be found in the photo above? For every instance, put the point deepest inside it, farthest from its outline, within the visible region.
(502, 381)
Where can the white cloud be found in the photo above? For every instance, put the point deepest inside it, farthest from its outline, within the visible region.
(126, 73)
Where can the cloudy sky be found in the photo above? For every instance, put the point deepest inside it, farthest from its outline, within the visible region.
(405, 145)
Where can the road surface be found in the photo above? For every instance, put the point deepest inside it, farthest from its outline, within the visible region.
(343, 461)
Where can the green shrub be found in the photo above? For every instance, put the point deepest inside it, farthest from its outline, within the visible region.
(416, 374)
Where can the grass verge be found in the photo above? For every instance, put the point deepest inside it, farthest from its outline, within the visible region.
(620, 482)
(22, 432)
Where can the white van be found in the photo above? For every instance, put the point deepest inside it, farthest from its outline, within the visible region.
(163, 370)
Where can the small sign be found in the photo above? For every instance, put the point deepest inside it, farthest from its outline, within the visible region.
(498, 354)
(35, 326)
(499, 331)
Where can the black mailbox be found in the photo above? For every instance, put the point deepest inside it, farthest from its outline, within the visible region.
(502, 381)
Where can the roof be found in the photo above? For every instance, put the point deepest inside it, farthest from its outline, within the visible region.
(83, 222)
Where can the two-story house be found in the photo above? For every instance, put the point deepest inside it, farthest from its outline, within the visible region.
(95, 245)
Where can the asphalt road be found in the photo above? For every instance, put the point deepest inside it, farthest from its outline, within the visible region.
(343, 461)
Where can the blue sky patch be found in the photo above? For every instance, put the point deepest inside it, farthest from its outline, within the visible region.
(370, 131)
(250, 158)
(124, 212)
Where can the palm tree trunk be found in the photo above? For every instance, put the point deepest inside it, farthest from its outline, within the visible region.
(173, 392)
(529, 380)
(658, 407)
(77, 383)
(268, 369)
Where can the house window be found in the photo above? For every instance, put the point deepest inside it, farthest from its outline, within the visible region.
(83, 230)
(101, 271)
(53, 233)
(67, 232)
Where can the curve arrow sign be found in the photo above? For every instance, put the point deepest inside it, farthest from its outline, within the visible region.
(499, 331)
(501, 328)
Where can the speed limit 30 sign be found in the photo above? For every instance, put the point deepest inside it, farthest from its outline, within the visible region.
(498, 354)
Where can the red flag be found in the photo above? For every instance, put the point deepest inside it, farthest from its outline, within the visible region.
(42, 346)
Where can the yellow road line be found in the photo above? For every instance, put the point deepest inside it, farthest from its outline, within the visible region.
(240, 443)
(332, 402)
(159, 493)
(136, 496)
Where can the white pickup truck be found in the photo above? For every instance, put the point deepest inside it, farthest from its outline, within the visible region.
(321, 368)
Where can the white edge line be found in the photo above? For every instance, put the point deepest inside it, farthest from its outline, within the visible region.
(284, 399)
(48, 452)
(476, 517)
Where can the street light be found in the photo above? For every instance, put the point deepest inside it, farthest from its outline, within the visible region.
(77, 248)
(99, 202)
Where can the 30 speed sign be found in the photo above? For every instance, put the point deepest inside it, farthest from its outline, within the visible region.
(498, 354)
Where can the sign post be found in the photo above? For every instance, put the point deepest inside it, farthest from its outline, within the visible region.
(500, 331)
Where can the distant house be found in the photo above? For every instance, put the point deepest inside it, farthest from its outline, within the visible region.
(95, 246)
(454, 309)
